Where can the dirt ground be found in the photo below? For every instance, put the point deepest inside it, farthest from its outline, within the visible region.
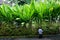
(54, 37)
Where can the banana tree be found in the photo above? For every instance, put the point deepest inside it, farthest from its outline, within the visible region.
(27, 14)
(39, 9)
(6, 13)
(23, 12)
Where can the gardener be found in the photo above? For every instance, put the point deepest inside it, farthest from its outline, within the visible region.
(40, 32)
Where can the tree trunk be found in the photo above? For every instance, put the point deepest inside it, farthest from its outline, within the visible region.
(30, 24)
(0, 24)
(24, 25)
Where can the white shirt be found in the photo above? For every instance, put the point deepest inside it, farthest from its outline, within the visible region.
(40, 31)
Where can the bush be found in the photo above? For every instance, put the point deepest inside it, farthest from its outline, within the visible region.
(21, 31)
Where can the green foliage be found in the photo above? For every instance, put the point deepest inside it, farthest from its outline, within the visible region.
(34, 11)
(43, 10)
(11, 30)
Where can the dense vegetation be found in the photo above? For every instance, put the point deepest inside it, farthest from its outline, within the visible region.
(26, 19)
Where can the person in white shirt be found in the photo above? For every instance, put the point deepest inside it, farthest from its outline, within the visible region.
(40, 32)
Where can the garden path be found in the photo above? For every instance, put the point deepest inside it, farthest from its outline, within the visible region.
(55, 37)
